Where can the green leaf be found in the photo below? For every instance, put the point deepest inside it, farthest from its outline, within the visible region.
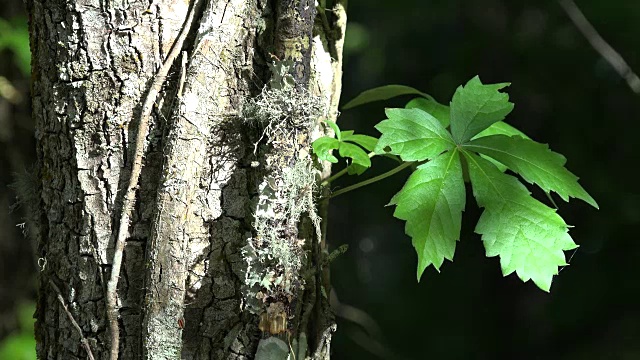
(25, 316)
(432, 201)
(18, 347)
(323, 147)
(437, 110)
(382, 93)
(14, 35)
(366, 141)
(475, 107)
(500, 128)
(534, 162)
(413, 134)
(21, 345)
(356, 153)
(356, 169)
(528, 236)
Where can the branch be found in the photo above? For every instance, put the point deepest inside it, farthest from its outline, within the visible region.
(83, 340)
(129, 197)
(372, 180)
(342, 172)
(601, 46)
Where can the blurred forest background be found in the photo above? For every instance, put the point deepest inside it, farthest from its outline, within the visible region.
(566, 95)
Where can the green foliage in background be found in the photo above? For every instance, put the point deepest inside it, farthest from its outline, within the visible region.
(14, 36)
(21, 345)
(466, 141)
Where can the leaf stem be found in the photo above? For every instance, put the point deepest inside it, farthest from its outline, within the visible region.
(334, 177)
(341, 172)
(372, 180)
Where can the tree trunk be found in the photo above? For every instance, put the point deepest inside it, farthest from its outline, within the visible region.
(224, 255)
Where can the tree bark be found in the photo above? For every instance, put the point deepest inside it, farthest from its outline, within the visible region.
(224, 252)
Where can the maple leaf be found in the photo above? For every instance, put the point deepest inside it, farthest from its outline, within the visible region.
(432, 201)
(434, 108)
(413, 134)
(534, 162)
(474, 107)
(528, 236)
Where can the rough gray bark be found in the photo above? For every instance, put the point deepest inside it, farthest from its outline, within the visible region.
(198, 279)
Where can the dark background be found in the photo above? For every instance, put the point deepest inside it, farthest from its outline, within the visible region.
(566, 95)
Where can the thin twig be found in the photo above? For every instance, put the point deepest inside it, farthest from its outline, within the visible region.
(129, 197)
(600, 45)
(183, 74)
(355, 315)
(372, 180)
(83, 340)
(342, 172)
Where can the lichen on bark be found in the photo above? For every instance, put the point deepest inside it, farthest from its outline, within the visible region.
(285, 116)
